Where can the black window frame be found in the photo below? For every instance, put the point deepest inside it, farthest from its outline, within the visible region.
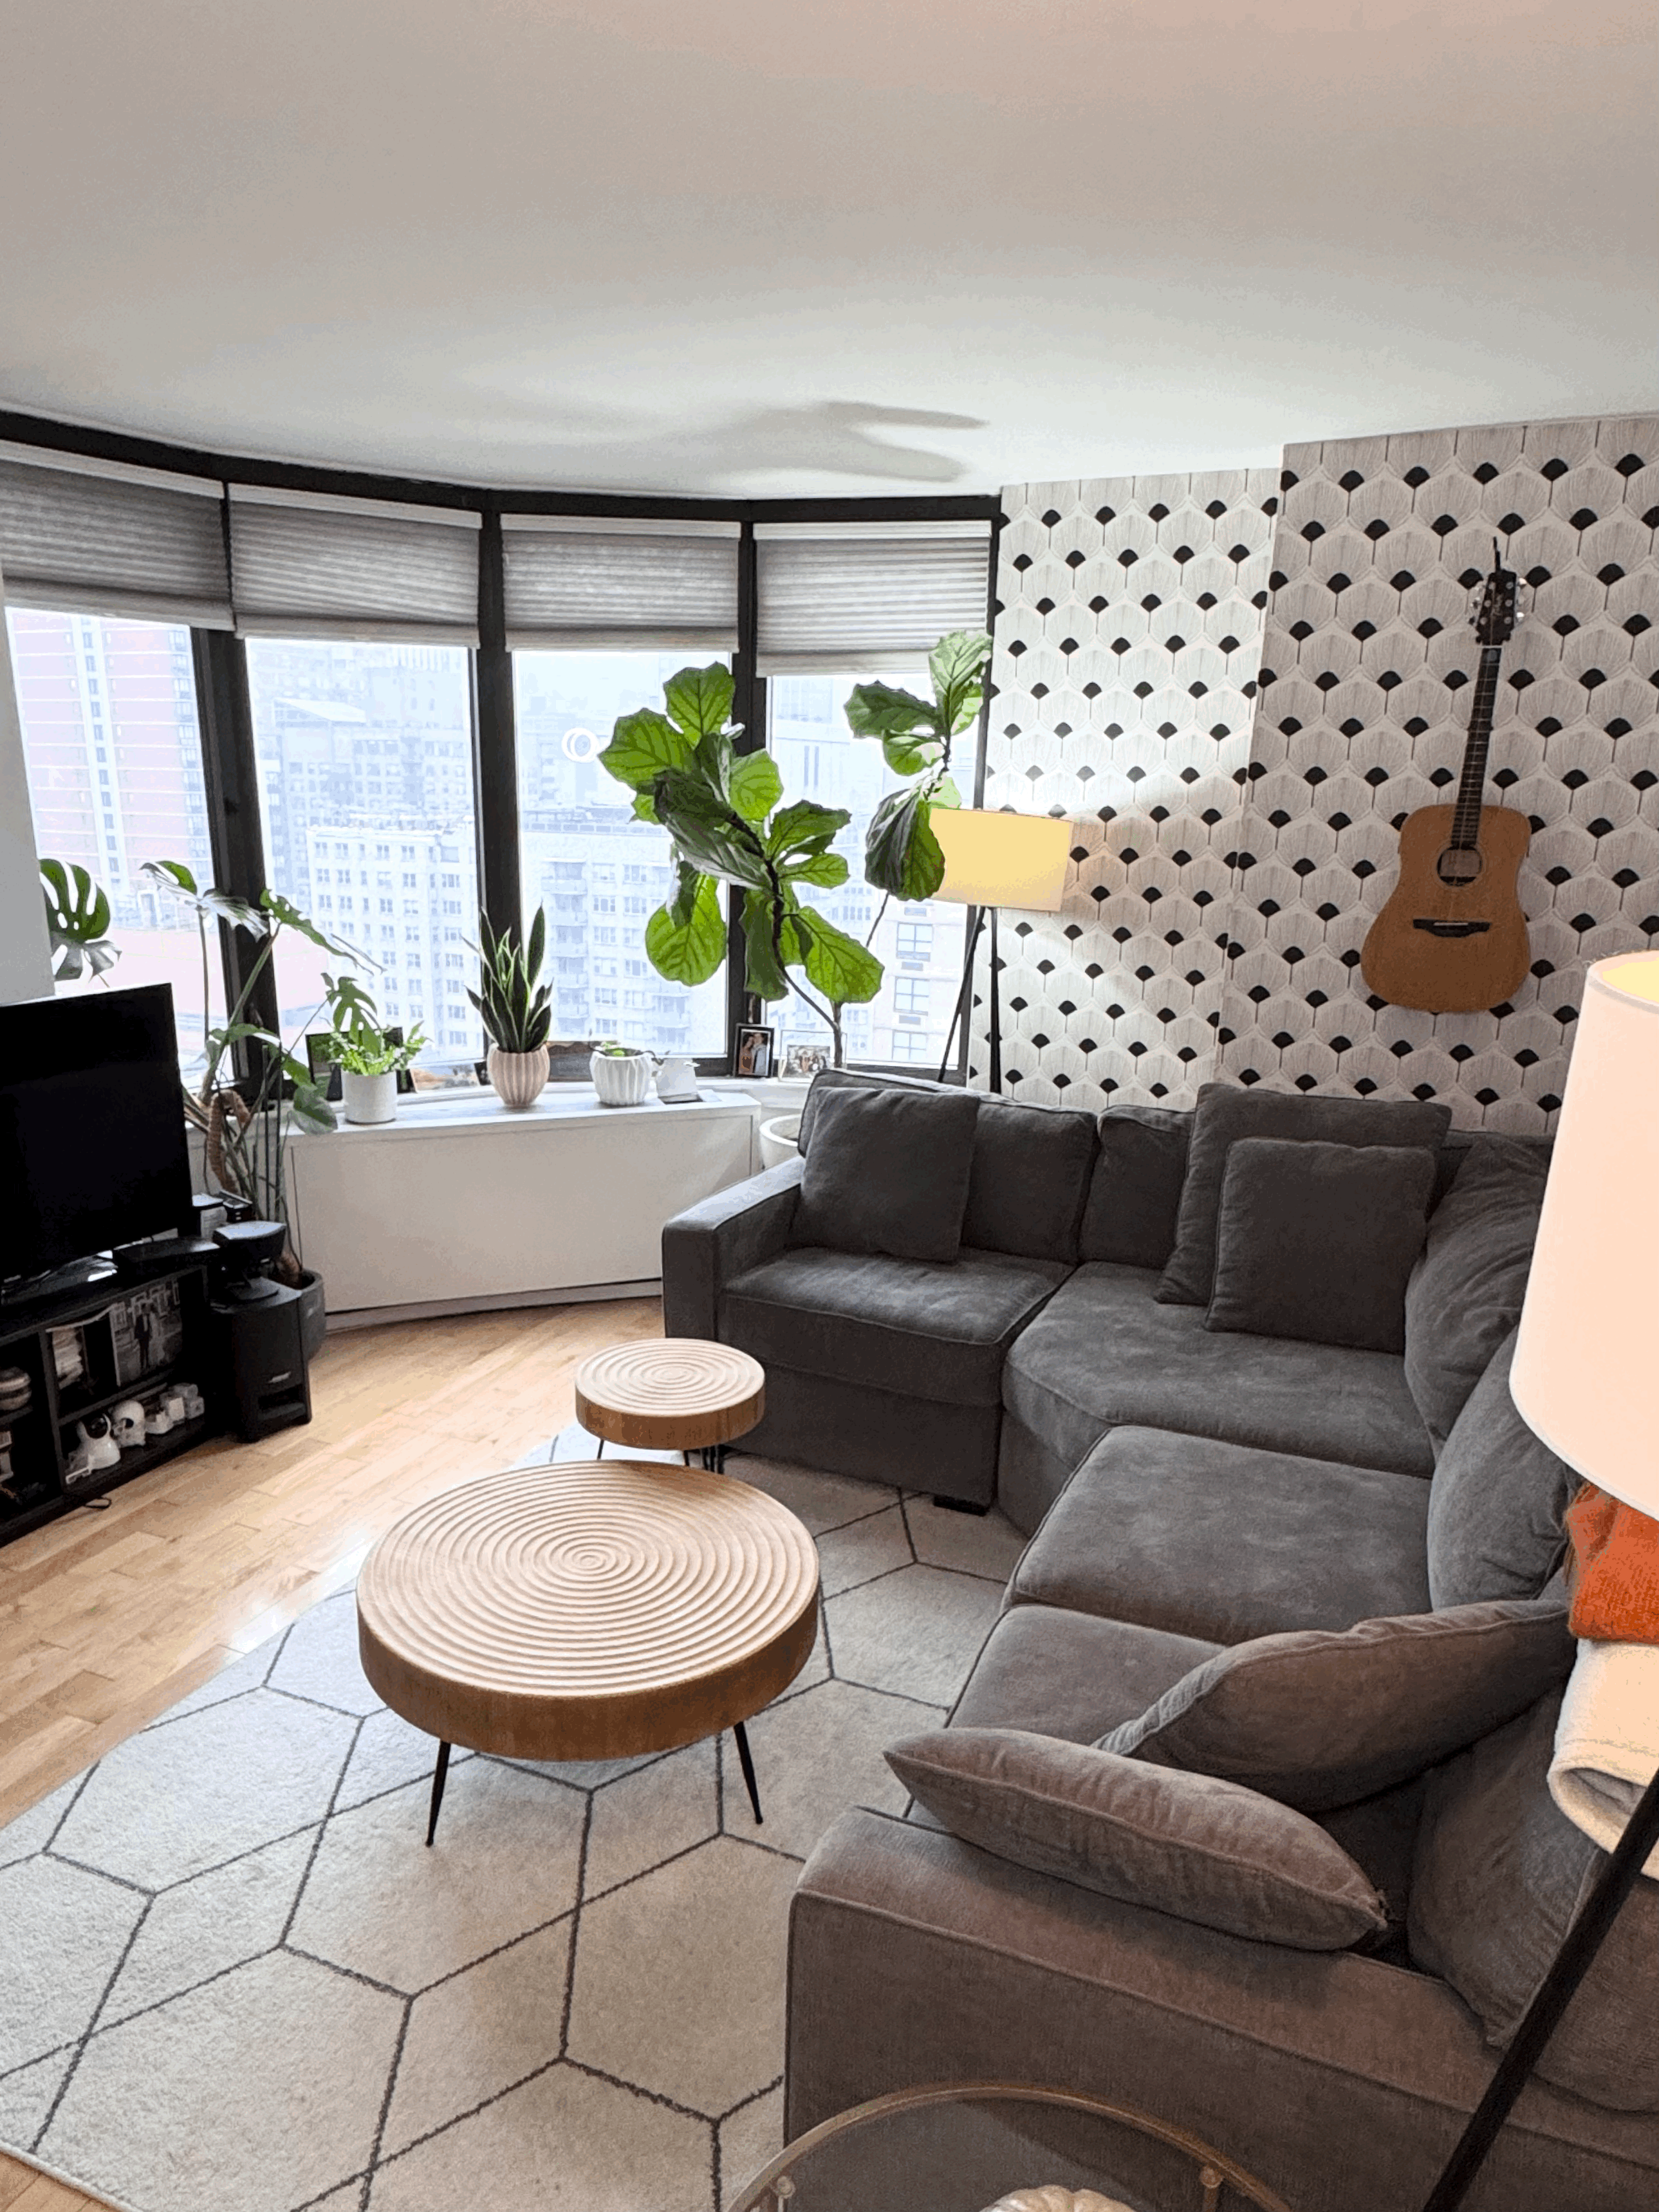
(223, 701)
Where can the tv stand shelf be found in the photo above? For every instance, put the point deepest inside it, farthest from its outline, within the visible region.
(40, 1486)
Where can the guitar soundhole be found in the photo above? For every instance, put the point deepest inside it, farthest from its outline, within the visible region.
(1458, 864)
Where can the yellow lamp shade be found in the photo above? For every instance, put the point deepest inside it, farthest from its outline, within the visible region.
(1586, 1371)
(1002, 859)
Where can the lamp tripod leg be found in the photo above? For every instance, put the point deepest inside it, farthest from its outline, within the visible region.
(959, 1014)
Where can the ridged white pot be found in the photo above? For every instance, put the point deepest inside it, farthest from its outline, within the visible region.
(519, 1077)
(621, 1078)
(368, 1098)
(780, 1140)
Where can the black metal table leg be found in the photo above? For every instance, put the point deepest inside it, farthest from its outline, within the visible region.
(439, 1776)
(748, 1766)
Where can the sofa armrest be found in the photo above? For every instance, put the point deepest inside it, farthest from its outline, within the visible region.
(703, 1248)
(1338, 2079)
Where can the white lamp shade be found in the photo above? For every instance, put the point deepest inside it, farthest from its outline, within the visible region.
(1002, 859)
(1586, 1371)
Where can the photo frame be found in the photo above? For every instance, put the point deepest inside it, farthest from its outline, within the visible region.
(756, 1051)
(405, 1075)
(323, 1071)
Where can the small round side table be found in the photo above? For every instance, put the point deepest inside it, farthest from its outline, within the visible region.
(682, 1393)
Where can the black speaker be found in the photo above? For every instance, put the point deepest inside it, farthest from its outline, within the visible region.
(262, 1359)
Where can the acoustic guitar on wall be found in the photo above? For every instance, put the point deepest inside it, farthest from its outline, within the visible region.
(1452, 939)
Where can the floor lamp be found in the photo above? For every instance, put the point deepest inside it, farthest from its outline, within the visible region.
(994, 860)
(1583, 1380)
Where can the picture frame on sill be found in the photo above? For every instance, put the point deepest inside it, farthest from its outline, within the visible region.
(325, 1074)
(756, 1051)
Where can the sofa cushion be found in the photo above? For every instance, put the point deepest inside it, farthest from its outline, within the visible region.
(1226, 1113)
(1103, 1353)
(1031, 1166)
(1319, 1719)
(1497, 1499)
(1205, 1850)
(1466, 1292)
(887, 1174)
(1135, 1194)
(1072, 1675)
(1499, 1875)
(906, 1326)
(1226, 1542)
(1316, 1242)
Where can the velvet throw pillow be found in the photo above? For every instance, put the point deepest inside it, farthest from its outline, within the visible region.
(1499, 1876)
(1226, 1113)
(1030, 1175)
(1321, 1717)
(1203, 1850)
(1498, 1498)
(887, 1173)
(1317, 1241)
(1134, 1196)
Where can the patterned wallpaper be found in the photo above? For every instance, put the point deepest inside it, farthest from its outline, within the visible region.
(1125, 667)
(1234, 838)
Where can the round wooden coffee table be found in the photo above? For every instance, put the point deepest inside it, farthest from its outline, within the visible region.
(682, 1393)
(591, 1610)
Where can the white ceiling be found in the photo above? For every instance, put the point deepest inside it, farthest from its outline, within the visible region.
(807, 246)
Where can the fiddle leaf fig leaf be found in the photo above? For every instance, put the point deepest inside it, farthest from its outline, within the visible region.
(644, 808)
(901, 855)
(882, 710)
(756, 786)
(944, 792)
(909, 755)
(765, 973)
(642, 745)
(826, 870)
(847, 972)
(708, 832)
(700, 699)
(956, 665)
(805, 827)
(688, 945)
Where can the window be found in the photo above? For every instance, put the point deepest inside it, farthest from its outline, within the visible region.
(820, 758)
(577, 832)
(362, 745)
(152, 807)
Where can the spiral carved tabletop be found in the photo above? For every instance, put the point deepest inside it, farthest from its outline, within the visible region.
(669, 1393)
(592, 1610)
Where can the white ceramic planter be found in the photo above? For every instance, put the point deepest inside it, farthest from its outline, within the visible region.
(370, 1098)
(519, 1077)
(780, 1140)
(621, 1078)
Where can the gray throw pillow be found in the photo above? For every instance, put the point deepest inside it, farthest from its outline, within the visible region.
(1186, 1844)
(1030, 1175)
(1465, 1295)
(1498, 1876)
(1135, 1194)
(1497, 1500)
(1224, 1113)
(1317, 1241)
(1319, 1717)
(887, 1173)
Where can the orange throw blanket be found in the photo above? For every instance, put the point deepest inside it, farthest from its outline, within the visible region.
(1614, 1575)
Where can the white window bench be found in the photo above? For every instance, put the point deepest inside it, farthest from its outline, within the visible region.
(460, 1204)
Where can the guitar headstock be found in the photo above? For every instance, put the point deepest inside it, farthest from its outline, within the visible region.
(1497, 610)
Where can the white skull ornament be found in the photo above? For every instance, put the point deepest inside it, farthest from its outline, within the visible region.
(127, 1420)
(1052, 2198)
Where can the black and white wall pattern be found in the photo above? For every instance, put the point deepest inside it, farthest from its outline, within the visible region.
(1225, 876)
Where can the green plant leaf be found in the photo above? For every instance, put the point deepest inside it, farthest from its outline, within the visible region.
(763, 974)
(826, 870)
(882, 710)
(690, 950)
(712, 762)
(642, 745)
(700, 699)
(171, 876)
(535, 950)
(847, 972)
(644, 808)
(756, 786)
(310, 1110)
(805, 827)
(901, 855)
(944, 792)
(911, 756)
(956, 665)
(285, 914)
(708, 832)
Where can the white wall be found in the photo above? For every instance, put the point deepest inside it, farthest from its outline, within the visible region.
(25, 948)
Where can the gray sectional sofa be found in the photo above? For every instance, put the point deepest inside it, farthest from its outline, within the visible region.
(1194, 1489)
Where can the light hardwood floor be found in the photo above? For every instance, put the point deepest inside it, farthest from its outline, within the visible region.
(108, 1618)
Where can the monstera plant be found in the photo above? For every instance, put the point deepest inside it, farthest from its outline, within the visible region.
(724, 812)
(901, 855)
(77, 921)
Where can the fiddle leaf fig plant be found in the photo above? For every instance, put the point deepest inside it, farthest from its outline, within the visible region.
(901, 855)
(724, 812)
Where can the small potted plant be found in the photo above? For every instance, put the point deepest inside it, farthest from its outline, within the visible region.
(368, 1060)
(514, 1011)
(622, 1076)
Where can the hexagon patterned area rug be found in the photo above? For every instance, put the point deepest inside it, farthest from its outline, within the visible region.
(233, 1979)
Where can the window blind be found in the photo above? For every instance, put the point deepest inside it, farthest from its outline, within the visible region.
(311, 565)
(98, 538)
(574, 583)
(867, 595)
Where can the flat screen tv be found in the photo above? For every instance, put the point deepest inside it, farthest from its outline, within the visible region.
(92, 1131)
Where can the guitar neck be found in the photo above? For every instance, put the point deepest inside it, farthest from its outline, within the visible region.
(1472, 784)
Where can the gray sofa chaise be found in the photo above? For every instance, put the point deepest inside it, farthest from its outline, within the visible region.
(1193, 1489)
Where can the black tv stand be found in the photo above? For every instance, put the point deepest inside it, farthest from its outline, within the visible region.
(133, 1339)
